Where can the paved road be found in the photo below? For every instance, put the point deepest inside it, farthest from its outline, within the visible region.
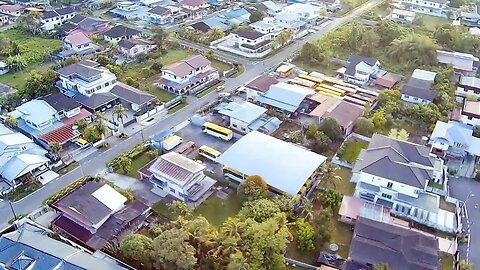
(468, 191)
(95, 163)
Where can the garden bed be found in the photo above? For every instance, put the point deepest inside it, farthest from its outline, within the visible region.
(22, 191)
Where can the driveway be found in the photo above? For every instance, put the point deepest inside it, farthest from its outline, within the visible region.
(96, 162)
(468, 190)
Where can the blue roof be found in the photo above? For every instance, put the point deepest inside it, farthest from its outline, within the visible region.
(162, 135)
(217, 22)
(236, 13)
(285, 96)
(36, 111)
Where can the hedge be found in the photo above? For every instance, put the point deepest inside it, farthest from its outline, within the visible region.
(131, 154)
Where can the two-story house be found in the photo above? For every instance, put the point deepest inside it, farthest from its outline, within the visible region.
(131, 48)
(292, 21)
(396, 174)
(19, 155)
(464, 63)
(248, 43)
(78, 44)
(468, 86)
(178, 176)
(245, 117)
(188, 75)
(194, 8)
(437, 8)
(266, 26)
(86, 25)
(159, 15)
(454, 140)
(85, 78)
(12, 10)
(119, 32)
(95, 214)
(360, 70)
(306, 11)
(418, 91)
(56, 17)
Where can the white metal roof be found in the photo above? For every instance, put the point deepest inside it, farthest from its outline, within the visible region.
(282, 165)
(424, 75)
(110, 197)
(246, 112)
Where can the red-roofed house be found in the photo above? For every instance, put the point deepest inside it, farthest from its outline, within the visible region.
(194, 8)
(78, 44)
(189, 75)
(12, 10)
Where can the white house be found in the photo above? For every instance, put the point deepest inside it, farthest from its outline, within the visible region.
(454, 140)
(293, 21)
(85, 78)
(159, 15)
(467, 86)
(402, 16)
(396, 174)
(258, 86)
(461, 62)
(12, 10)
(36, 114)
(131, 48)
(266, 26)
(79, 43)
(245, 117)
(307, 12)
(56, 17)
(248, 43)
(188, 75)
(360, 70)
(430, 7)
(194, 8)
(178, 176)
(119, 32)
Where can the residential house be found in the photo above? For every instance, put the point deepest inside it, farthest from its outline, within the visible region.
(471, 19)
(128, 10)
(307, 12)
(467, 86)
(246, 117)
(19, 156)
(470, 113)
(375, 243)
(133, 98)
(119, 32)
(418, 91)
(85, 78)
(402, 187)
(424, 75)
(188, 75)
(95, 214)
(361, 70)
(248, 43)
(12, 10)
(285, 167)
(402, 16)
(65, 107)
(266, 27)
(206, 25)
(462, 62)
(344, 112)
(437, 8)
(56, 17)
(30, 3)
(31, 246)
(285, 97)
(454, 140)
(389, 80)
(78, 44)
(178, 176)
(259, 85)
(131, 48)
(239, 16)
(292, 21)
(269, 7)
(159, 15)
(86, 25)
(194, 8)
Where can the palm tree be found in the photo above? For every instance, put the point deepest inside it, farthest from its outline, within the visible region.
(56, 148)
(11, 121)
(329, 175)
(215, 33)
(119, 113)
(232, 227)
(99, 125)
(125, 164)
(307, 208)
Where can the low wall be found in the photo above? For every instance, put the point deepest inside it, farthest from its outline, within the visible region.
(242, 53)
(150, 113)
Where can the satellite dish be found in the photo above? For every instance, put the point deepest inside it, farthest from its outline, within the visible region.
(74, 127)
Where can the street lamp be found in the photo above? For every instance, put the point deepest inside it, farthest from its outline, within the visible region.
(13, 211)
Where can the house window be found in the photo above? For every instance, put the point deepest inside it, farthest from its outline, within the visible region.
(172, 190)
(388, 196)
(234, 125)
(389, 185)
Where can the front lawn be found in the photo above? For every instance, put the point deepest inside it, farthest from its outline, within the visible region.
(137, 164)
(210, 89)
(345, 187)
(162, 209)
(350, 150)
(217, 210)
(220, 65)
(342, 236)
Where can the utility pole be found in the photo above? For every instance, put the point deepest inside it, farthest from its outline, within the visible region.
(13, 211)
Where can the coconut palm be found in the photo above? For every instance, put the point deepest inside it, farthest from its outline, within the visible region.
(56, 148)
(329, 175)
(307, 208)
(119, 113)
(99, 125)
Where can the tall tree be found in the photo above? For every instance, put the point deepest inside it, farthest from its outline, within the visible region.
(252, 188)
(379, 120)
(331, 128)
(56, 148)
(328, 175)
(125, 164)
(137, 247)
(364, 126)
(305, 235)
(259, 210)
(214, 34)
(171, 250)
(256, 15)
(119, 113)
(99, 126)
(414, 49)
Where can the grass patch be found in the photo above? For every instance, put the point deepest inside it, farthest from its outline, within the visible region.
(162, 209)
(446, 261)
(432, 22)
(137, 163)
(70, 167)
(220, 65)
(450, 207)
(179, 106)
(217, 210)
(349, 5)
(431, 183)
(342, 236)
(327, 68)
(345, 187)
(210, 89)
(22, 191)
(350, 150)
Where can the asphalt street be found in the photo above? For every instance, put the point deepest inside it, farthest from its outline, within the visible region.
(95, 163)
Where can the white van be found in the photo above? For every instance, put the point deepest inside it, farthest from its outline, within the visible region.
(171, 142)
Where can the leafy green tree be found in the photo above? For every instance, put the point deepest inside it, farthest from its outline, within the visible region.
(252, 188)
(117, 70)
(181, 209)
(285, 204)
(390, 101)
(311, 54)
(457, 3)
(364, 126)
(330, 127)
(172, 250)
(125, 163)
(16, 63)
(11, 121)
(160, 37)
(256, 15)
(104, 60)
(214, 34)
(379, 120)
(306, 207)
(414, 49)
(132, 82)
(328, 175)
(388, 31)
(382, 266)
(305, 235)
(39, 84)
(447, 36)
(425, 114)
(30, 22)
(56, 148)
(330, 199)
(312, 131)
(156, 66)
(324, 228)
(321, 142)
(90, 134)
(259, 210)
(137, 247)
